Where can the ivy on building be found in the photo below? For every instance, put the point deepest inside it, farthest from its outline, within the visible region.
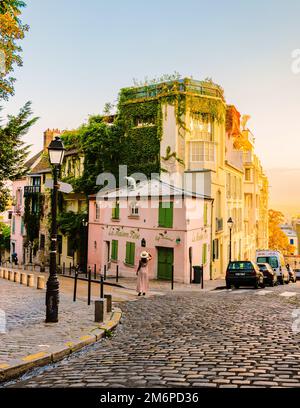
(32, 218)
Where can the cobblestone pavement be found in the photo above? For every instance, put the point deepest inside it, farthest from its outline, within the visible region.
(25, 314)
(239, 338)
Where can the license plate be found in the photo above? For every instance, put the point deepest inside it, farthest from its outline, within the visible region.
(240, 274)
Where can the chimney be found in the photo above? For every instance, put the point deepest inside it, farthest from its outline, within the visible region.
(49, 135)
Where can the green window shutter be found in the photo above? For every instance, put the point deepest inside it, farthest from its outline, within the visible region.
(14, 225)
(22, 226)
(205, 214)
(204, 254)
(116, 211)
(114, 250)
(169, 216)
(165, 217)
(161, 215)
(130, 253)
(127, 252)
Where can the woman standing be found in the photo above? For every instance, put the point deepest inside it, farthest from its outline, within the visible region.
(143, 274)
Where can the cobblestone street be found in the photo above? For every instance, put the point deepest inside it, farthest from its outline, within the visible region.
(27, 333)
(240, 338)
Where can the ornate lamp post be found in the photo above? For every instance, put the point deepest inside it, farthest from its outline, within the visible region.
(230, 225)
(56, 152)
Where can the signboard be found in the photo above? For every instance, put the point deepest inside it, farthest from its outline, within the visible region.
(63, 187)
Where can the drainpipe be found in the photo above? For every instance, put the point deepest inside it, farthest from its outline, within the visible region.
(211, 240)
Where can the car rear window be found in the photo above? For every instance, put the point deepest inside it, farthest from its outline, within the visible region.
(271, 260)
(262, 266)
(240, 265)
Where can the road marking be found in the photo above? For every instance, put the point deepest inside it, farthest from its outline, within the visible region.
(288, 294)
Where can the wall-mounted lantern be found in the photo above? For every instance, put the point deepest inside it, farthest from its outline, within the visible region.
(143, 243)
(178, 240)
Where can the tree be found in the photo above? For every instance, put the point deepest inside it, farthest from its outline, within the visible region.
(11, 31)
(13, 151)
(4, 238)
(277, 239)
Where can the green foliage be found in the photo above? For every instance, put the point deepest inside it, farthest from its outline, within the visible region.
(4, 237)
(32, 219)
(70, 223)
(11, 31)
(13, 152)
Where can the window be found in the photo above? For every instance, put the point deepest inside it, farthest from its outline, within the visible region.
(22, 226)
(116, 211)
(205, 215)
(144, 121)
(114, 250)
(204, 254)
(165, 217)
(134, 209)
(130, 253)
(202, 151)
(271, 260)
(71, 251)
(36, 181)
(291, 241)
(97, 212)
(215, 249)
(248, 174)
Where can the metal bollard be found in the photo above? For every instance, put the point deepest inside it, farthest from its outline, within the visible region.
(30, 280)
(101, 287)
(75, 286)
(105, 267)
(40, 282)
(117, 274)
(172, 284)
(95, 272)
(17, 277)
(89, 285)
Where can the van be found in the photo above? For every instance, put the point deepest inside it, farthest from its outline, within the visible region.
(276, 260)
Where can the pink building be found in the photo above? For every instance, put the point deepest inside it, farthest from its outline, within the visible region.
(17, 221)
(172, 225)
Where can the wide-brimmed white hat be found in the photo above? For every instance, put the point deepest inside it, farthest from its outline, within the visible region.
(144, 255)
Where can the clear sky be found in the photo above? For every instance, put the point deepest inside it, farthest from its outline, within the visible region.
(79, 53)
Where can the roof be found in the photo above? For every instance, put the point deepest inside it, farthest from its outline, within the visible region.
(150, 188)
(42, 166)
(33, 159)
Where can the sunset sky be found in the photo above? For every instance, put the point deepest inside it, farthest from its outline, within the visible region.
(78, 54)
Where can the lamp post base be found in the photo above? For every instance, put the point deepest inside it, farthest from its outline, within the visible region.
(52, 300)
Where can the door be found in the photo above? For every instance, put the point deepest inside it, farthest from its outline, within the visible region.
(165, 257)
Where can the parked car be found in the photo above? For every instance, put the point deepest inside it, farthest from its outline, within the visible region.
(270, 276)
(244, 273)
(292, 274)
(297, 272)
(276, 260)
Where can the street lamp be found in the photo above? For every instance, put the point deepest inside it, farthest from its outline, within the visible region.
(56, 152)
(230, 225)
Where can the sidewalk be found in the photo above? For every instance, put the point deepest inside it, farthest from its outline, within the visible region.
(28, 341)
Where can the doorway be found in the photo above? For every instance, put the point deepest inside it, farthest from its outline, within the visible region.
(165, 259)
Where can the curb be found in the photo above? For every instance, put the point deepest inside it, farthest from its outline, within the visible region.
(18, 367)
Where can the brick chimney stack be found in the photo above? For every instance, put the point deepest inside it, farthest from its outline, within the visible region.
(49, 135)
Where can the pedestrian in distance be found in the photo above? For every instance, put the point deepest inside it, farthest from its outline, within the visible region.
(143, 273)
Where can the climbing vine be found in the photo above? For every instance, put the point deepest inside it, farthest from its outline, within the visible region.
(32, 218)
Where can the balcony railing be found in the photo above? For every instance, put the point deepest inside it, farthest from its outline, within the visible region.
(219, 224)
(29, 190)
